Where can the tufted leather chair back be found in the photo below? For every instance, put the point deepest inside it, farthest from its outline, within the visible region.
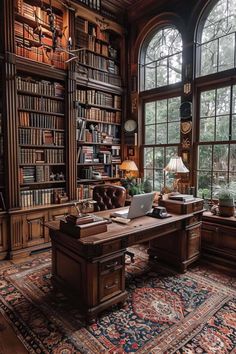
(108, 197)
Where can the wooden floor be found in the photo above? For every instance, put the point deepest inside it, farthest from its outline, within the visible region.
(9, 342)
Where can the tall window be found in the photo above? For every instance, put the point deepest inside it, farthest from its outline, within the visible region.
(217, 39)
(162, 136)
(161, 65)
(162, 59)
(216, 164)
(217, 139)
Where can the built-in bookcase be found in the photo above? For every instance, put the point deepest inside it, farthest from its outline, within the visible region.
(41, 137)
(99, 104)
(2, 174)
(39, 29)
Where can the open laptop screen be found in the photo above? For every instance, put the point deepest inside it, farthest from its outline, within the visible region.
(140, 205)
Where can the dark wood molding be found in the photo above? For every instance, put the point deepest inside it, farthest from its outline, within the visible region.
(34, 67)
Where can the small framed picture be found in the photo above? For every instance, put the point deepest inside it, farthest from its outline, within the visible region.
(185, 156)
(130, 151)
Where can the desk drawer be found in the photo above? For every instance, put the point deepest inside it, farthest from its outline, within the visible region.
(194, 241)
(111, 264)
(196, 218)
(112, 246)
(110, 285)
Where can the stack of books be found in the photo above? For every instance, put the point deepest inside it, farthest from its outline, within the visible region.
(83, 226)
(182, 197)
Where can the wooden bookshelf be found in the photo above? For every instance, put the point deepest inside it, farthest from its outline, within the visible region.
(39, 29)
(98, 101)
(44, 110)
(41, 145)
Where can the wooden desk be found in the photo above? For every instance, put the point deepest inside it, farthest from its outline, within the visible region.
(92, 269)
(219, 241)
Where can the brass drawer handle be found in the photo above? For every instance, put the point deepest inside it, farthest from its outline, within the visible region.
(112, 286)
(111, 265)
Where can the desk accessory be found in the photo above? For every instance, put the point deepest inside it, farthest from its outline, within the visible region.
(159, 212)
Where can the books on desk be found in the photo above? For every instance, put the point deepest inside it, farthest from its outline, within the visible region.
(182, 197)
(83, 229)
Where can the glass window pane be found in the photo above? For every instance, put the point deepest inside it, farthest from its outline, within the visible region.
(208, 58)
(159, 157)
(162, 79)
(150, 134)
(161, 112)
(207, 129)
(150, 74)
(164, 51)
(158, 180)
(149, 113)
(161, 133)
(204, 184)
(205, 157)
(223, 100)
(220, 179)
(234, 127)
(173, 133)
(220, 157)
(207, 103)
(173, 109)
(232, 158)
(175, 68)
(148, 157)
(234, 100)
(170, 152)
(148, 174)
(222, 128)
(226, 52)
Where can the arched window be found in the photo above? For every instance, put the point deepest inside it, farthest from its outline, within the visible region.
(160, 67)
(216, 38)
(216, 160)
(161, 59)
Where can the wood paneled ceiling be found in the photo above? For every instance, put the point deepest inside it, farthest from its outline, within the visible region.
(135, 9)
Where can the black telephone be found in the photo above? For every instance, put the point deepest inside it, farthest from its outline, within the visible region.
(159, 212)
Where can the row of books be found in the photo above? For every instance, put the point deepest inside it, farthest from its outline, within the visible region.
(98, 98)
(84, 191)
(39, 196)
(94, 74)
(99, 114)
(43, 87)
(34, 156)
(90, 28)
(87, 154)
(40, 104)
(98, 62)
(39, 137)
(38, 14)
(87, 41)
(39, 120)
(96, 133)
(106, 171)
(25, 48)
(32, 174)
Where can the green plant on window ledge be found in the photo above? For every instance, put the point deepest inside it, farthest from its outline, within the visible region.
(226, 196)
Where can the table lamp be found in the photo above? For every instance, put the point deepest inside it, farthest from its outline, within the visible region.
(176, 166)
(128, 166)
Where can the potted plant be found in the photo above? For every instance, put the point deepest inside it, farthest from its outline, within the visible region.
(226, 201)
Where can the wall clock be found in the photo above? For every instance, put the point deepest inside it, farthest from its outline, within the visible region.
(130, 126)
(186, 110)
(130, 132)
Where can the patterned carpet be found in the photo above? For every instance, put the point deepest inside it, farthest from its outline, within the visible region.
(165, 312)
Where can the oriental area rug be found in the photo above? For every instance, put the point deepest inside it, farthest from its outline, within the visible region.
(165, 312)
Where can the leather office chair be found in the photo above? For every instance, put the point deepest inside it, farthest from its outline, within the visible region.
(110, 197)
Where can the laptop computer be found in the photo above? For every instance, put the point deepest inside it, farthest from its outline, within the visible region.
(140, 205)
